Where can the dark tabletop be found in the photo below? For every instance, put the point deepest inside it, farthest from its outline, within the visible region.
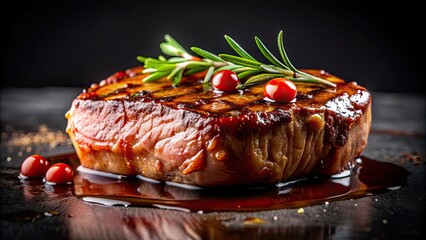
(32, 121)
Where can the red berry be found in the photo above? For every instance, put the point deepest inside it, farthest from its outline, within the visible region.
(59, 173)
(225, 80)
(34, 166)
(280, 90)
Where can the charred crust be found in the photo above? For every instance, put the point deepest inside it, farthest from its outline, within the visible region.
(239, 113)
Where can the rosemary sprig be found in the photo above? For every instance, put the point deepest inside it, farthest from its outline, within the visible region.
(182, 63)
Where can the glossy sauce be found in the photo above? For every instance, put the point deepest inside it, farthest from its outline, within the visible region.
(368, 177)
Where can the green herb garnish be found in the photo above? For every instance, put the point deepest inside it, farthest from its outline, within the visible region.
(182, 63)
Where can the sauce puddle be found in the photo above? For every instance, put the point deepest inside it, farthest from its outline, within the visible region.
(368, 177)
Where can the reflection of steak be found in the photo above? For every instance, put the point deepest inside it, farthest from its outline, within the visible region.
(193, 135)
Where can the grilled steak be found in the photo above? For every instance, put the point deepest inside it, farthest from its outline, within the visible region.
(196, 136)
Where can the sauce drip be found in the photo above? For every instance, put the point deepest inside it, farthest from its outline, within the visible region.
(368, 177)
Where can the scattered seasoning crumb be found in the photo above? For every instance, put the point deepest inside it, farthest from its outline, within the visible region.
(326, 203)
(356, 204)
(300, 211)
(200, 212)
(20, 153)
(253, 220)
(275, 218)
(376, 199)
(9, 159)
(325, 210)
(384, 221)
(44, 135)
(413, 157)
(28, 149)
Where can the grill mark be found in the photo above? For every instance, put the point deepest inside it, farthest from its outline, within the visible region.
(194, 96)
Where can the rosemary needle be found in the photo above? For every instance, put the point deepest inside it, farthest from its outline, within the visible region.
(182, 63)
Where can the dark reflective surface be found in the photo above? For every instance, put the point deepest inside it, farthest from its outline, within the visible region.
(398, 214)
(368, 177)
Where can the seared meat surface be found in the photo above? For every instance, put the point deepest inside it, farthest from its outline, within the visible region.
(196, 136)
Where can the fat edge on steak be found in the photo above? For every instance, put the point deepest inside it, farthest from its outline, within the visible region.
(195, 136)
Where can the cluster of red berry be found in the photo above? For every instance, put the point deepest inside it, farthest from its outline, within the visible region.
(36, 166)
(277, 89)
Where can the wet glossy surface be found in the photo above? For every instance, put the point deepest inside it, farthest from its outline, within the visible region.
(397, 137)
(367, 178)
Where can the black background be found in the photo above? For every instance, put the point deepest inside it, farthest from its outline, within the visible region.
(77, 43)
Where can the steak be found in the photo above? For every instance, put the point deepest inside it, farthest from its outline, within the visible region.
(193, 135)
